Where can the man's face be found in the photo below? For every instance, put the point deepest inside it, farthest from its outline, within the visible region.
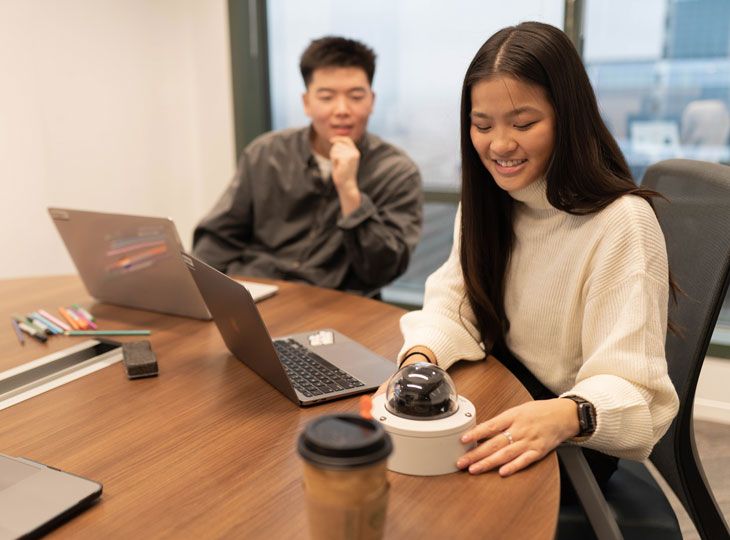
(339, 102)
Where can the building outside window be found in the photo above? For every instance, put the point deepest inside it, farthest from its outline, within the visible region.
(662, 77)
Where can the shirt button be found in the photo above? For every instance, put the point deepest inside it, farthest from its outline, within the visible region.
(296, 264)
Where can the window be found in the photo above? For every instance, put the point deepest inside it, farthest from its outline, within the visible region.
(662, 78)
(423, 51)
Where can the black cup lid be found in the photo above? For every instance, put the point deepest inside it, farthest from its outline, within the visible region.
(344, 441)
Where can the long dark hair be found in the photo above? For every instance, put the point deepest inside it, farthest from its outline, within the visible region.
(586, 173)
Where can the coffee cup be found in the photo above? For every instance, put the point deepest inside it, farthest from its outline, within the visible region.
(345, 482)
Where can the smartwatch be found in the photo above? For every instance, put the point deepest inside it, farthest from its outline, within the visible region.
(586, 416)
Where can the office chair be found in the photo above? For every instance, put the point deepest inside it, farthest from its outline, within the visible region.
(696, 226)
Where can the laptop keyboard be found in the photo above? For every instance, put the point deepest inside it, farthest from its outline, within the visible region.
(309, 373)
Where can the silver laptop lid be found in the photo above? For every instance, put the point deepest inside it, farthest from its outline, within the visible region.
(131, 261)
(35, 498)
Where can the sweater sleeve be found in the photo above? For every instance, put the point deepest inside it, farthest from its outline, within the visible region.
(624, 371)
(446, 324)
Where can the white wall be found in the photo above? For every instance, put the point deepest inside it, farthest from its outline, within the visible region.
(712, 401)
(114, 105)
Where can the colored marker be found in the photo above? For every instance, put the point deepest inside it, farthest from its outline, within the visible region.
(38, 325)
(18, 332)
(108, 332)
(85, 322)
(32, 332)
(69, 319)
(82, 324)
(23, 320)
(62, 325)
(86, 314)
(40, 318)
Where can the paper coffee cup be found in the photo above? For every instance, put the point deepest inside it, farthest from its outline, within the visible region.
(345, 481)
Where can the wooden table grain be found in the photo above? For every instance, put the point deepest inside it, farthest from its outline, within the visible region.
(207, 449)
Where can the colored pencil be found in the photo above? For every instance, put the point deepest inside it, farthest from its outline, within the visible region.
(108, 332)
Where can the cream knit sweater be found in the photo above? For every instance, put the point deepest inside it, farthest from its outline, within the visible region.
(587, 298)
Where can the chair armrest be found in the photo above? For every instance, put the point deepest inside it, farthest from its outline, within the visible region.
(589, 493)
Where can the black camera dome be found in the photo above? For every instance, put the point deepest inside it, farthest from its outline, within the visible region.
(421, 391)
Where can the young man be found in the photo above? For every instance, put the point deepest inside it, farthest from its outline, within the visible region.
(329, 204)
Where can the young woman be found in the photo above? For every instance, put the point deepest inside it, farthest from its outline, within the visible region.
(558, 268)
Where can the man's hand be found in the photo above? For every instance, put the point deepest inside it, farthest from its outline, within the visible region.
(345, 159)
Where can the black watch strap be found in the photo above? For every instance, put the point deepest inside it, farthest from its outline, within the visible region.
(413, 353)
(586, 416)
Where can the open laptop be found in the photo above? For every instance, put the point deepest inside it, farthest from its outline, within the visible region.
(134, 261)
(309, 367)
(35, 498)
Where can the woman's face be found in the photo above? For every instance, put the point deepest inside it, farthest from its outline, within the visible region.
(512, 130)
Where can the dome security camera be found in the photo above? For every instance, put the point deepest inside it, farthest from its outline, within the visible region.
(425, 418)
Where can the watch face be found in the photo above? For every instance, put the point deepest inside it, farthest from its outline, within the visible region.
(586, 418)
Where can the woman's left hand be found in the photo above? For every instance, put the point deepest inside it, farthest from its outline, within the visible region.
(520, 436)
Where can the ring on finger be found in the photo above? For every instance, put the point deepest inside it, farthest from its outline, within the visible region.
(507, 434)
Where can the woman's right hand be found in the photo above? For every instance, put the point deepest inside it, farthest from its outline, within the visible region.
(519, 436)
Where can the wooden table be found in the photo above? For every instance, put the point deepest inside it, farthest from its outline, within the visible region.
(207, 449)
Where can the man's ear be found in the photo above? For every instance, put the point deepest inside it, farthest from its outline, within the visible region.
(305, 103)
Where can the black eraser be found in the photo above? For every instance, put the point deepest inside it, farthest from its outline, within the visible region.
(139, 359)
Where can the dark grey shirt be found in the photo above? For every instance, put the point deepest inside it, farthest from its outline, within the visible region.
(280, 219)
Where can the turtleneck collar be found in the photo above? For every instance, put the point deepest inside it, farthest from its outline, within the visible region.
(533, 196)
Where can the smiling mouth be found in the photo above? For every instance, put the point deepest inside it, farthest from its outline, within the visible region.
(510, 162)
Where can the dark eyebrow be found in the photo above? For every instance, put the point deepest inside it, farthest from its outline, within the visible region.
(479, 115)
(349, 90)
(515, 112)
(521, 110)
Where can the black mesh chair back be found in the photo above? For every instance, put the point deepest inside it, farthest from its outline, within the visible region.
(695, 221)
(696, 225)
